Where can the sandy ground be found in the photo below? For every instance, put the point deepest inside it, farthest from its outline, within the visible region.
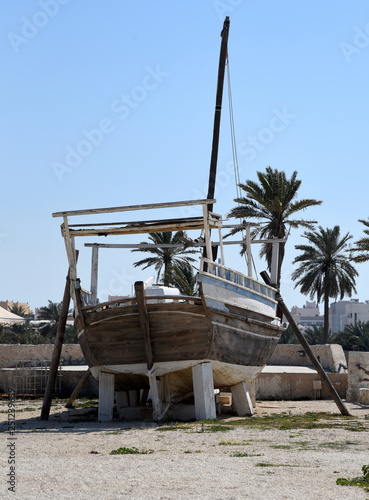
(69, 458)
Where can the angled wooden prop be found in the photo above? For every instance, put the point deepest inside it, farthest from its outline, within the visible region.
(307, 348)
(45, 412)
(85, 377)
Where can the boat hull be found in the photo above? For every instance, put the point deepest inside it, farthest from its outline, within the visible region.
(183, 333)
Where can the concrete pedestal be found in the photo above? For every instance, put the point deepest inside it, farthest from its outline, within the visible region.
(358, 377)
(203, 388)
(106, 396)
(241, 400)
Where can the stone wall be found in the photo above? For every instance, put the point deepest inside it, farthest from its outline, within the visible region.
(358, 377)
(290, 386)
(331, 356)
(11, 353)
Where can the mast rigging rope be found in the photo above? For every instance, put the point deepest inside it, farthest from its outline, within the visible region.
(234, 149)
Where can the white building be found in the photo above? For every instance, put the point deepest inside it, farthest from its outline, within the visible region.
(348, 312)
(308, 315)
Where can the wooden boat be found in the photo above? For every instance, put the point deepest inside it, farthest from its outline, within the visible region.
(222, 338)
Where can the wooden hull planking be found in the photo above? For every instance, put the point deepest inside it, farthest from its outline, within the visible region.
(182, 335)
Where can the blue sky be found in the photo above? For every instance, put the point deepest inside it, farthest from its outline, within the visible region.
(131, 86)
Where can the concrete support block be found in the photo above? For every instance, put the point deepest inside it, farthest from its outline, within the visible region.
(106, 396)
(363, 396)
(122, 402)
(164, 389)
(203, 388)
(358, 375)
(241, 400)
(155, 396)
(133, 397)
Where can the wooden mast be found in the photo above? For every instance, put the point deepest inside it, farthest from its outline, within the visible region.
(218, 111)
(216, 130)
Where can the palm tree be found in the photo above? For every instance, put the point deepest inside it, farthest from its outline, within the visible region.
(354, 337)
(273, 203)
(51, 314)
(22, 331)
(288, 336)
(316, 335)
(362, 245)
(184, 278)
(164, 259)
(324, 270)
(18, 310)
(21, 334)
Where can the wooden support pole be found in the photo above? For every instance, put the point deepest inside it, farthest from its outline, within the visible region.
(275, 259)
(94, 273)
(248, 251)
(307, 348)
(158, 413)
(45, 412)
(207, 250)
(78, 388)
(144, 322)
(221, 246)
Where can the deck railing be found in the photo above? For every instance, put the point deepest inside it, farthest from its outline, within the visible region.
(227, 274)
(127, 301)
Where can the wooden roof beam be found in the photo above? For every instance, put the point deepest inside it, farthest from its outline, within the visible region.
(130, 208)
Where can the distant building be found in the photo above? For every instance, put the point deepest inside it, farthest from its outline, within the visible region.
(348, 312)
(341, 314)
(9, 304)
(308, 315)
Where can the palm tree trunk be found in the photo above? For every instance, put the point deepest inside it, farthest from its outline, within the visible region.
(326, 318)
(280, 262)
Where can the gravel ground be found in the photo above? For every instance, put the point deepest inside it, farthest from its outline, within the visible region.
(67, 457)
